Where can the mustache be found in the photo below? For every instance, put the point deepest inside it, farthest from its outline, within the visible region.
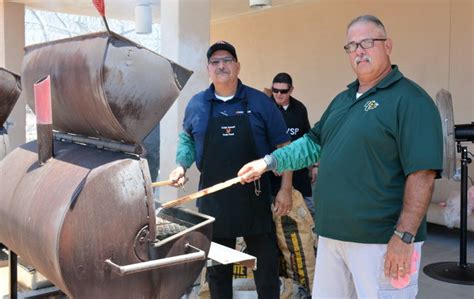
(222, 71)
(359, 59)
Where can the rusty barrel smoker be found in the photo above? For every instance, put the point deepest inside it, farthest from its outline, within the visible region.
(86, 218)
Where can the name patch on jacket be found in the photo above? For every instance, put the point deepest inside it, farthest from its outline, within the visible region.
(292, 131)
(228, 131)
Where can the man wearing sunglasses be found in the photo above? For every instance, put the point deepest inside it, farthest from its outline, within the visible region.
(381, 149)
(226, 126)
(296, 118)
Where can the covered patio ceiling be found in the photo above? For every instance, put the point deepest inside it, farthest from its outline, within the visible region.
(124, 9)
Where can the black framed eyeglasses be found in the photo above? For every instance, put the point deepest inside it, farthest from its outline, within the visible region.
(282, 91)
(364, 44)
(217, 61)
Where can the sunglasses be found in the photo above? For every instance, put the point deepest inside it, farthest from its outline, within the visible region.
(282, 91)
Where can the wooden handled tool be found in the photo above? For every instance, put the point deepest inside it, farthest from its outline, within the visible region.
(161, 183)
(201, 193)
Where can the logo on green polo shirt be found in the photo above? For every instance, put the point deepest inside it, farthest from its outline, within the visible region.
(370, 105)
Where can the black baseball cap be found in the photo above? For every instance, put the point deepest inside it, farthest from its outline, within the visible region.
(221, 45)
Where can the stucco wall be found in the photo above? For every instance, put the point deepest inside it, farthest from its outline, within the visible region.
(433, 45)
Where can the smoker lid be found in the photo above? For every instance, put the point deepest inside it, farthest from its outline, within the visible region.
(104, 86)
(10, 90)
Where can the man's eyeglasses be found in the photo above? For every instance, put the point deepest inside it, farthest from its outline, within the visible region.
(282, 91)
(217, 61)
(364, 44)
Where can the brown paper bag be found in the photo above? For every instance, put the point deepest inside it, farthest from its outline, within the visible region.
(296, 242)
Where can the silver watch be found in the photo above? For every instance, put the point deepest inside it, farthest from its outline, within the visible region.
(405, 236)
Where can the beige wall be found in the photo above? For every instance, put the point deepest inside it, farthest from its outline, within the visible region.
(433, 45)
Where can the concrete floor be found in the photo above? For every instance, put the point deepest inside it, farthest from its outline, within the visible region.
(442, 246)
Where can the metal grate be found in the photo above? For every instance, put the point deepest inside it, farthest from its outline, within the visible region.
(166, 228)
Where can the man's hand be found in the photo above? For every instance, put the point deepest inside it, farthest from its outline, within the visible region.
(418, 190)
(398, 258)
(177, 176)
(283, 202)
(252, 170)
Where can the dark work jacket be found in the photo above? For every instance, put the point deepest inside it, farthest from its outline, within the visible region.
(296, 118)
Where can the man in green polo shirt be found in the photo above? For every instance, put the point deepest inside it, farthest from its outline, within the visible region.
(380, 151)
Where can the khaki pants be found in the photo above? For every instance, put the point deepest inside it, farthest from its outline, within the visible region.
(355, 270)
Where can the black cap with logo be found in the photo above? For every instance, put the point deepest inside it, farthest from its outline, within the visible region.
(221, 45)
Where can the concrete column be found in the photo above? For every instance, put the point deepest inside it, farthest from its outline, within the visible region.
(185, 26)
(12, 42)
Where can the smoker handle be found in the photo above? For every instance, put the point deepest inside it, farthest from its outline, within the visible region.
(154, 264)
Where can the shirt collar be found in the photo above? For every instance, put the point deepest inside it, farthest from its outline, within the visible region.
(391, 78)
(240, 93)
(290, 103)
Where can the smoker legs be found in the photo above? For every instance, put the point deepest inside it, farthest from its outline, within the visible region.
(13, 283)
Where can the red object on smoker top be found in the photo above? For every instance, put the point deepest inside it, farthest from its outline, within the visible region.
(43, 109)
(99, 4)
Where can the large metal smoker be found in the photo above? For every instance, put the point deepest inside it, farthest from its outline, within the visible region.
(86, 218)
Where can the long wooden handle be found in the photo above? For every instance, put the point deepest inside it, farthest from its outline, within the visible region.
(201, 193)
(162, 183)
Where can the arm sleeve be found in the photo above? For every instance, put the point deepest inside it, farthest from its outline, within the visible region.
(420, 138)
(276, 126)
(185, 154)
(315, 132)
(297, 155)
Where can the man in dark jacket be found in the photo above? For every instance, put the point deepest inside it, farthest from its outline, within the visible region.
(296, 117)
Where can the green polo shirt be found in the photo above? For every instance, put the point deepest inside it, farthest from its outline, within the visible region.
(369, 146)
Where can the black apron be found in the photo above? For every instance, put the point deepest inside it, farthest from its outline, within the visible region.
(239, 211)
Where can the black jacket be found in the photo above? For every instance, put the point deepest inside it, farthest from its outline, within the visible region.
(296, 118)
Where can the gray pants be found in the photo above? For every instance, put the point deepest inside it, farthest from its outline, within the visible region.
(310, 204)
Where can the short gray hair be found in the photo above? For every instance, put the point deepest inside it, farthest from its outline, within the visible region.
(368, 19)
